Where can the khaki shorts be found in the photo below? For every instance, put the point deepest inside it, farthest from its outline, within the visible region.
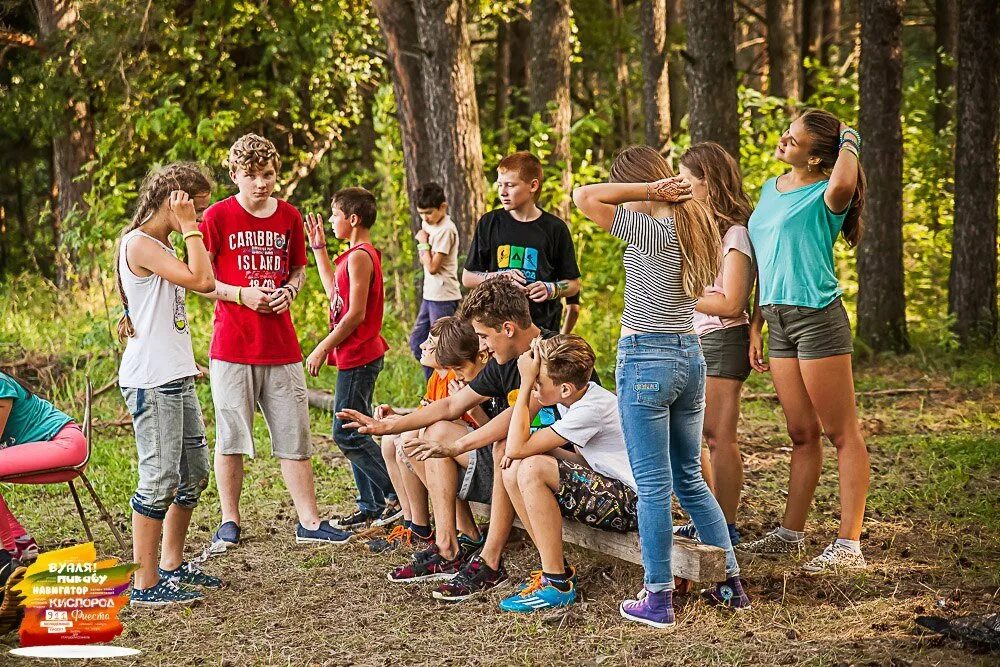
(280, 391)
(727, 352)
(808, 333)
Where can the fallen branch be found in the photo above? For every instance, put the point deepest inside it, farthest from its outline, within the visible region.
(902, 391)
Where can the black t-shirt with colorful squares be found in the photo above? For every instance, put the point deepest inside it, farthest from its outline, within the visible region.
(541, 249)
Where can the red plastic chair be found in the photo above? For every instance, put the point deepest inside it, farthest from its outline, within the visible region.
(69, 472)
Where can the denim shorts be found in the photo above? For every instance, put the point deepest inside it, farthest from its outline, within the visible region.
(173, 451)
(727, 352)
(808, 333)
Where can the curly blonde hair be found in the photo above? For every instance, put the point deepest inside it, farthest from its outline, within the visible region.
(252, 152)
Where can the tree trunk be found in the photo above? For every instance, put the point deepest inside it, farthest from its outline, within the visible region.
(70, 151)
(501, 83)
(972, 285)
(397, 19)
(881, 300)
(831, 32)
(945, 20)
(549, 80)
(623, 111)
(519, 35)
(452, 112)
(678, 84)
(784, 27)
(655, 79)
(812, 38)
(711, 74)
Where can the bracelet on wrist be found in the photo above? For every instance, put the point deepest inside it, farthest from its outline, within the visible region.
(193, 234)
(423, 246)
(318, 247)
(853, 132)
(239, 296)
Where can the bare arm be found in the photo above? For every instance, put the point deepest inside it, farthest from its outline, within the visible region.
(361, 269)
(737, 279)
(446, 409)
(572, 315)
(757, 360)
(6, 405)
(599, 200)
(843, 178)
(317, 241)
(432, 261)
(146, 254)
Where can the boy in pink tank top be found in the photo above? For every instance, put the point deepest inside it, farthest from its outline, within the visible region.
(355, 346)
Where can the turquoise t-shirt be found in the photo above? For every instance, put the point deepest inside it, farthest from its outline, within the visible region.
(31, 419)
(793, 234)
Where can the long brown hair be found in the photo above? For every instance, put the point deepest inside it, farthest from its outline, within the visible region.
(824, 129)
(696, 233)
(190, 177)
(713, 164)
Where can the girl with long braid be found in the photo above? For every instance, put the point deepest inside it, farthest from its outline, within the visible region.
(793, 229)
(157, 378)
(673, 252)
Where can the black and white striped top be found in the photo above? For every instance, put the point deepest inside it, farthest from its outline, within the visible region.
(655, 301)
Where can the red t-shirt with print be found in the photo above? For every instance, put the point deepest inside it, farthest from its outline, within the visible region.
(253, 252)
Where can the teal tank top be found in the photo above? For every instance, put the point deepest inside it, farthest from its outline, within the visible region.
(793, 235)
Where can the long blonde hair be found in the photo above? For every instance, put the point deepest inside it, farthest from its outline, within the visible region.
(190, 177)
(699, 241)
(713, 164)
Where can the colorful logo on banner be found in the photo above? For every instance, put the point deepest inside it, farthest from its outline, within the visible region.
(71, 598)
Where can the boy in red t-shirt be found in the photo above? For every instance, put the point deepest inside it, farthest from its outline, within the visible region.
(257, 247)
(355, 346)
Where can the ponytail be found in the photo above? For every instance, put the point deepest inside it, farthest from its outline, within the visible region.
(697, 235)
(824, 128)
(155, 189)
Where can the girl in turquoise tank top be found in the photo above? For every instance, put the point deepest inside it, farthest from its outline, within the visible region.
(793, 229)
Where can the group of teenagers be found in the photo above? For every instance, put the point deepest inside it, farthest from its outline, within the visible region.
(515, 414)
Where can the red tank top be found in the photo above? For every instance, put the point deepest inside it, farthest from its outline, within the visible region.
(365, 344)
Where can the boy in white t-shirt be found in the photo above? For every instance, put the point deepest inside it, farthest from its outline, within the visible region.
(591, 481)
(437, 248)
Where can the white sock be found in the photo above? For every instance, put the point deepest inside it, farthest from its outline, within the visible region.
(789, 535)
(853, 545)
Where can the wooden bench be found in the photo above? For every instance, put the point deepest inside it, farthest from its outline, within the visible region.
(689, 559)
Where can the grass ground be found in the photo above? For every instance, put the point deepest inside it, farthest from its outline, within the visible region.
(932, 538)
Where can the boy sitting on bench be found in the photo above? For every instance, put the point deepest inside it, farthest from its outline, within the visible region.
(591, 483)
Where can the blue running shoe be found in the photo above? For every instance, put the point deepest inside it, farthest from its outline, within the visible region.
(538, 596)
(189, 573)
(324, 534)
(165, 593)
(570, 570)
(226, 537)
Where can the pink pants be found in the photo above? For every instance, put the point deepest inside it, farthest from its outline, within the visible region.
(66, 449)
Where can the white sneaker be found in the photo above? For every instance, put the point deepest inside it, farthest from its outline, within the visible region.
(836, 558)
(772, 544)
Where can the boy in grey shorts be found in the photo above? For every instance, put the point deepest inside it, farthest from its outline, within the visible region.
(257, 246)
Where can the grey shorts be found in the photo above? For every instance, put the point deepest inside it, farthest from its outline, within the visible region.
(727, 352)
(173, 451)
(475, 483)
(280, 391)
(808, 333)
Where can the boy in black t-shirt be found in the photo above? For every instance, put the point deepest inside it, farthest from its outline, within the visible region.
(498, 311)
(531, 247)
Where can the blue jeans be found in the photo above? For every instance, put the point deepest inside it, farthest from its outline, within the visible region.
(661, 402)
(354, 390)
(430, 312)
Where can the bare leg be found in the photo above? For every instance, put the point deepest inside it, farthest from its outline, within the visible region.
(510, 476)
(392, 466)
(830, 383)
(441, 477)
(538, 480)
(465, 521)
(501, 513)
(175, 528)
(414, 488)
(229, 480)
(722, 414)
(145, 541)
(299, 480)
(804, 431)
(706, 468)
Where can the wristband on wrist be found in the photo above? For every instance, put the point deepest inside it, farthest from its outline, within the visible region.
(193, 234)
(423, 246)
(318, 247)
(853, 132)
(239, 296)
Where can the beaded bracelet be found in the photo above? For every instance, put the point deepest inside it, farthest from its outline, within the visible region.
(851, 130)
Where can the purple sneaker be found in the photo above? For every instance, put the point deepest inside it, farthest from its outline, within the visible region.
(653, 609)
(729, 593)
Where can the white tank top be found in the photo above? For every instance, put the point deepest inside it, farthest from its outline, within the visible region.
(160, 352)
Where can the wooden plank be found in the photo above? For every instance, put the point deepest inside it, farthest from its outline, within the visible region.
(690, 560)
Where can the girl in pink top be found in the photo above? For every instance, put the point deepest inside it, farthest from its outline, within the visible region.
(721, 322)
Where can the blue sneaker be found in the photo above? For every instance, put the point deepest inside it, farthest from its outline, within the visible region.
(189, 573)
(324, 534)
(570, 570)
(166, 592)
(538, 595)
(226, 537)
